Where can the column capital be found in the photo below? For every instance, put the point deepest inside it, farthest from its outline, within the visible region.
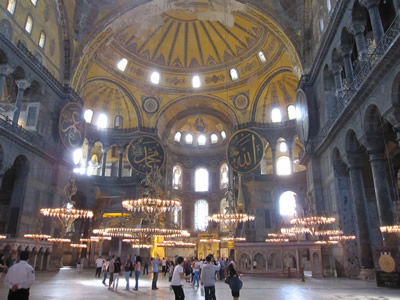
(357, 28)
(374, 143)
(22, 84)
(346, 50)
(336, 68)
(354, 160)
(5, 69)
(121, 150)
(369, 3)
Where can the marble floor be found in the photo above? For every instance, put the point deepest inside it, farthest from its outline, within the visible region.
(68, 284)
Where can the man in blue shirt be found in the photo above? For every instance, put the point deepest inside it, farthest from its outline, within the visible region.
(154, 263)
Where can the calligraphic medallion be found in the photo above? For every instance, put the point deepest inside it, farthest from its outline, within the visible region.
(387, 263)
(144, 152)
(245, 151)
(72, 126)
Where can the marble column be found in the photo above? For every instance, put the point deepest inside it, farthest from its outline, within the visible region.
(375, 18)
(41, 261)
(337, 75)
(346, 51)
(273, 149)
(5, 70)
(393, 116)
(89, 147)
(360, 211)
(104, 162)
(22, 85)
(376, 152)
(358, 31)
(119, 247)
(120, 157)
(290, 145)
(100, 248)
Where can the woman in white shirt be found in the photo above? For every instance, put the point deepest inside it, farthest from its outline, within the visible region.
(177, 276)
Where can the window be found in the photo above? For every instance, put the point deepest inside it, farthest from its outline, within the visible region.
(223, 210)
(201, 180)
(77, 156)
(261, 56)
(28, 24)
(176, 215)
(321, 24)
(122, 64)
(291, 111)
(287, 204)
(201, 215)
(328, 5)
(234, 74)
(223, 176)
(223, 135)
(214, 138)
(118, 122)
(282, 147)
(42, 39)
(102, 121)
(34, 2)
(155, 78)
(276, 115)
(283, 165)
(196, 83)
(201, 140)
(31, 119)
(177, 178)
(177, 137)
(88, 115)
(189, 139)
(11, 4)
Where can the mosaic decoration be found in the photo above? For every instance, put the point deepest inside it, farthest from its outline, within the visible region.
(245, 151)
(214, 78)
(150, 105)
(72, 126)
(241, 101)
(144, 152)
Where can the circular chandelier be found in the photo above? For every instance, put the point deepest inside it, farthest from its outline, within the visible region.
(2, 237)
(341, 238)
(234, 239)
(277, 241)
(390, 229)
(177, 244)
(59, 240)
(210, 240)
(326, 243)
(37, 237)
(78, 246)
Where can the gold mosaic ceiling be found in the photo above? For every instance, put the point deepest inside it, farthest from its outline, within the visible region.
(179, 41)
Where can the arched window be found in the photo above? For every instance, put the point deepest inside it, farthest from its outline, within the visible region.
(177, 137)
(177, 177)
(201, 215)
(223, 176)
(196, 83)
(283, 165)
(122, 64)
(328, 5)
(261, 56)
(88, 115)
(176, 215)
(34, 2)
(77, 156)
(42, 39)
(214, 138)
(234, 74)
(118, 122)
(223, 210)
(201, 180)
(11, 4)
(201, 140)
(287, 203)
(102, 121)
(276, 115)
(28, 24)
(282, 147)
(223, 135)
(155, 77)
(321, 24)
(189, 139)
(291, 111)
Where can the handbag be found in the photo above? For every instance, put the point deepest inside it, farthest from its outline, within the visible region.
(202, 290)
(228, 280)
(235, 284)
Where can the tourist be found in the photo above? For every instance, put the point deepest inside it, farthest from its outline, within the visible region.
(99, 264)
(164, 266)
(127, 268)
(138, 267)
(3, 267)
(196, 271)
(20, 278)
(154, 264)
(235, 283)
(208, 277)
(171, 270)
(254, 264)
(104, 270)
(145, 267)
(176, 282)
(117, 271)
(111, 271)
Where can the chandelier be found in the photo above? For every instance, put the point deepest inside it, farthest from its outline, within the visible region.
(150, 203)
(67, 214)
(59, 240)
(342, 238)
(78, 246)
(210, 240)
(390, 229)
(37, 237)
(2, 237)
(177, 244)
(234, 239)
(231, 217)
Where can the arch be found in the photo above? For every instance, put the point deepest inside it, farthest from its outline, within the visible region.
(287, 203)
(201, 215)
(337, 163)
(359, 13)
(33, 93)
(118, 122)
(29, 24)
(289, 261)
(11, 6)
(274, 261)
(245, 262)
(6, 29)
(223, 176)
(372, 120)
(260, 263)
(283, 165)
(201, 180)
(177, 177)
(352, 144)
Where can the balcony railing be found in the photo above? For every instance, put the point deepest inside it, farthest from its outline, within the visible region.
(344, 97)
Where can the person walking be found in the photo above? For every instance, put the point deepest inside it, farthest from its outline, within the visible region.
(20, 278)
(177, 276)
(154, 264)
(196, 271)
(127, 268)
(138, 267)
(117, 271)
(111, 271)
(99, 264)
(104, 270)
(164, 266)
(208, 277)
(235, 283)
(145, 267)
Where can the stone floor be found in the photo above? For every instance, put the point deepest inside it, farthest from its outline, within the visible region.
(68, 284)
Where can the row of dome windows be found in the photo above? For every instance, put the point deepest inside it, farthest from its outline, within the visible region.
(11, 6)
(201, 139)
(196, 81)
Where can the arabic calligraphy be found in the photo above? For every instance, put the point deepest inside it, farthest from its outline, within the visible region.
(144, 152)
(72, 126)
(245, 151)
